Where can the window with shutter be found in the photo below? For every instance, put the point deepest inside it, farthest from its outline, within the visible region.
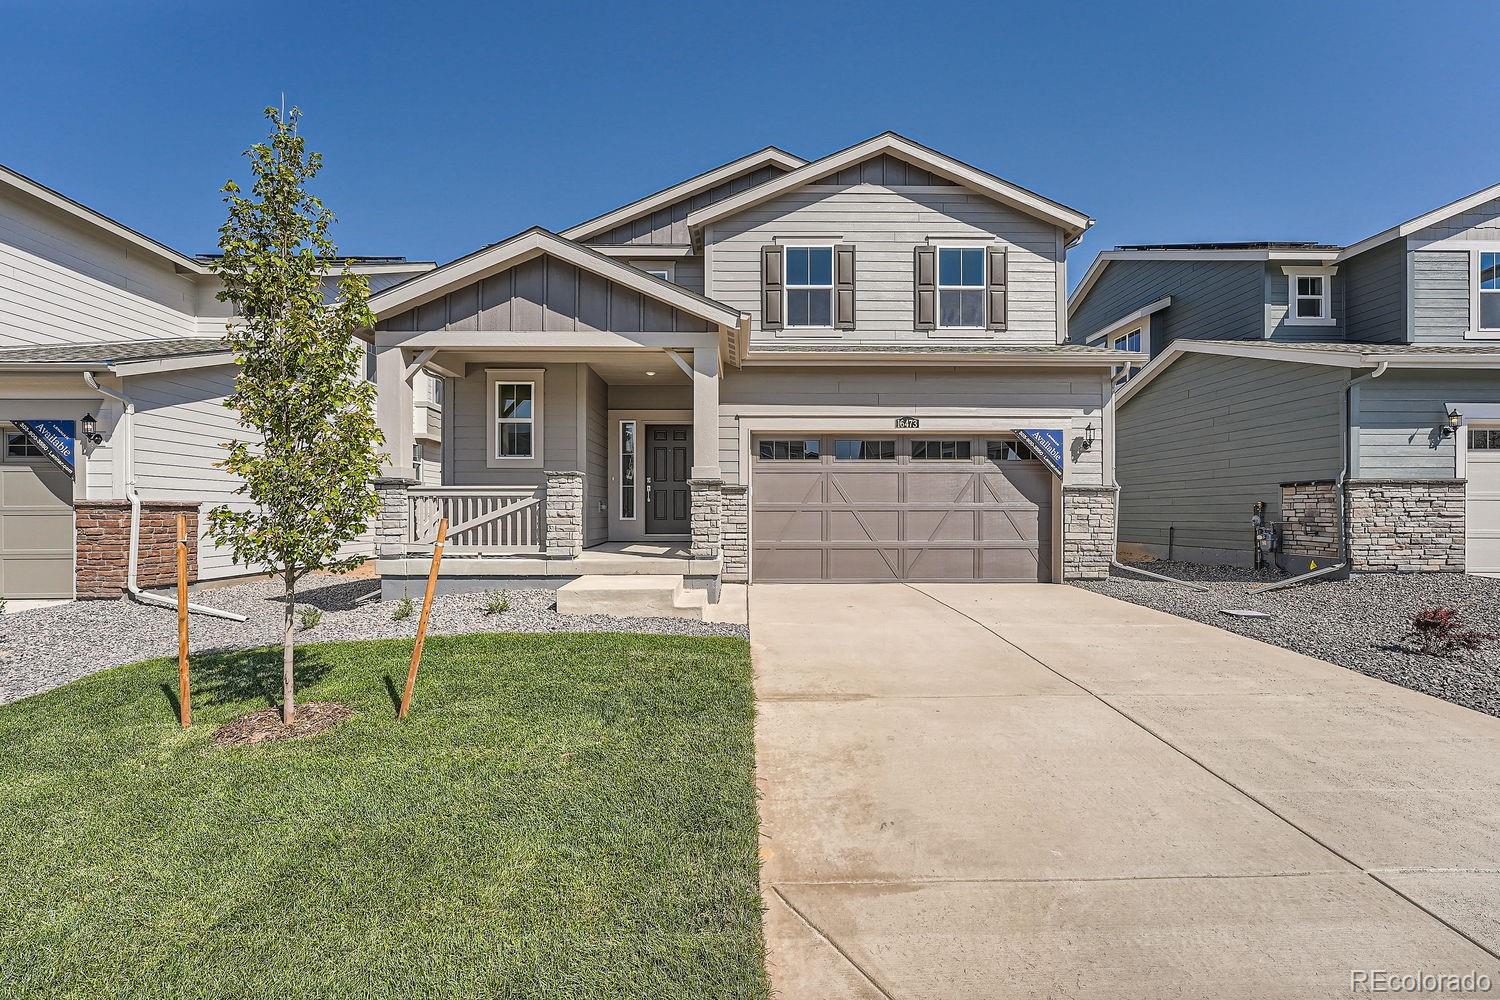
(772, 288)
(996, 306)
(843, 275)
(924, 280)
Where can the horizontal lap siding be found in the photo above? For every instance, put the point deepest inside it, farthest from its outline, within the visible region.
(1211, 300)
(59, 285)
(668, 225)
(466, 421)
(1399, 417)
(596, 444)
(1374, 285)
(884, 225)
(1210, 436)
(896, 392)
(1440, 296)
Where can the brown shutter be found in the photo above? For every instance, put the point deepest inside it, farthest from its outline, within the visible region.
(996, 296)
(925, 278)
(772, 288)
(843, 286)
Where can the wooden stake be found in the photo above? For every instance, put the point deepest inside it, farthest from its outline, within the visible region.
(184, 688)
(416, 649)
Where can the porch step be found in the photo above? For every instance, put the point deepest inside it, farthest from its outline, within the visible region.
(632, 597)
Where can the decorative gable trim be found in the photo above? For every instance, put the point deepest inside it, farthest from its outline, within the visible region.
(1421, 222)
(1068, 219)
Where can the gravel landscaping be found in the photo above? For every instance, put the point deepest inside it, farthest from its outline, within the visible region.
(1357, 623)
(45, 648)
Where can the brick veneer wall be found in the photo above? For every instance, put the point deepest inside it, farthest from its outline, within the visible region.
(1088, 531)
(1406, 525)
(103, 545)
(1309, 519)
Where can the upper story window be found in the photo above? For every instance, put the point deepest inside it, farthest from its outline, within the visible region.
(809, 286)
(1129, 341)
(1487, 292)
(1309, 298)
(960, 288)
(658, 270)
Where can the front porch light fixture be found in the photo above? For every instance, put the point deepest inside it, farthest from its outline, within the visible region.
(91, 429)
(1454, 422)
(1088, 436)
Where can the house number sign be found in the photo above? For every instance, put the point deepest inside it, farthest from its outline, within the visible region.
(907, 423)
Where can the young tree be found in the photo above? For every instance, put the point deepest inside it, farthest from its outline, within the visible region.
(309, 466)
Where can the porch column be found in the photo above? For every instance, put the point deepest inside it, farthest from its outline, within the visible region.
(706, 483)
(393, 411)
(564, 500)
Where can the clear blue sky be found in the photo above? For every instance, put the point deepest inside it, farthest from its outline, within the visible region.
(448, 126)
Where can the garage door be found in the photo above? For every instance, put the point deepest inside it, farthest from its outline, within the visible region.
(1482, 466)
(872, 509)
(36, 522)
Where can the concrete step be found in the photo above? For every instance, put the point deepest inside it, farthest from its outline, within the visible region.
(631, 597)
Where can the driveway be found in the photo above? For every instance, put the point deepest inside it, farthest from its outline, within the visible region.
(1036, 791)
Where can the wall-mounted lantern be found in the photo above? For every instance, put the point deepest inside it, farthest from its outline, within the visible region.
(1088, 436)
(1453, 423)
(91, 429)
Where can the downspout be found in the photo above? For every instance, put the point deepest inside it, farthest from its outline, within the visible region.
(1345, 456)
(127, 456)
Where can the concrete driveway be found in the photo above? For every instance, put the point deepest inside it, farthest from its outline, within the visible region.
(1035, 791)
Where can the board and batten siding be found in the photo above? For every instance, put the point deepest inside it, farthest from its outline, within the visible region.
(889, 393)
(884, 224)
(1212, 435)
(1211, 300)
(1439, 296)
(60, 283)
(544, 294)
(1399, 417)
(1278, 292)
(1374, 288)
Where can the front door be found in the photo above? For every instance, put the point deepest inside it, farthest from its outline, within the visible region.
(669, 449)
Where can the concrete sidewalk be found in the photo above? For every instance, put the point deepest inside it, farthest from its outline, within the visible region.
(1035, 791)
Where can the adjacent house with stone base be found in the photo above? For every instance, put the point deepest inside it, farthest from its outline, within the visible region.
(850, 369)
(1354, 391)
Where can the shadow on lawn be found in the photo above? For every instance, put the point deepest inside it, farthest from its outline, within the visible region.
(240, 675)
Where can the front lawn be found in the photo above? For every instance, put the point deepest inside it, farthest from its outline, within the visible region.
(561, 816)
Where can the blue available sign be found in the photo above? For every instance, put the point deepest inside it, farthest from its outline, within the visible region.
(1045, 445)
(54, 438)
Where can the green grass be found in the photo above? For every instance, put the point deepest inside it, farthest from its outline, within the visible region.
(560, 816)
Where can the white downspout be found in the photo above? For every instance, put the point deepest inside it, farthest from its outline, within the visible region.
(127, 457)
(1338, 485)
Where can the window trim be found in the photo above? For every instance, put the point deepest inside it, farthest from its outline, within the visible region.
(1325, 300)
(959, 442)
(764, 439)
(628, 489)
(1124, 373)
(6, 430)
(895, 441)
(664, 269)
(493, 378)
(1475, 331)
(831, 287)
(982, 288)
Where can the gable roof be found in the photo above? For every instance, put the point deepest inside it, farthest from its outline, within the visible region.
(1421, 222)
(1068, 219)
(1343, 354)
(769, 156)
(20, 182)
(531, 243)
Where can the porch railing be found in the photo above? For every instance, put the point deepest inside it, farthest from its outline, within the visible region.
(482, 520)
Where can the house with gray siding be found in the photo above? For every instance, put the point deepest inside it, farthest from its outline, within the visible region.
(113, 377)
(1346, 397)
(851, 368)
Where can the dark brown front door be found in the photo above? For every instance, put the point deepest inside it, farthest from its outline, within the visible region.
(669, 449)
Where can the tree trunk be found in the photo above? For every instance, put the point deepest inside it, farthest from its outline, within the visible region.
(288, 648)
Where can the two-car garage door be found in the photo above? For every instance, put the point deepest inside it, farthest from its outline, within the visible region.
(922, 509)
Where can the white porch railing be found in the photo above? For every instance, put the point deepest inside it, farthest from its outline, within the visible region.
(482, 520)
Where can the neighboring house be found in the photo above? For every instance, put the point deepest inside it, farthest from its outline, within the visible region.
(778, 370)
(90, 312)
(1354, 391)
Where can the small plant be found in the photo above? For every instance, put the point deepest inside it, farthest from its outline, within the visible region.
(496, 603)
(403, 610)
(308, 618)
(1438, 632)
